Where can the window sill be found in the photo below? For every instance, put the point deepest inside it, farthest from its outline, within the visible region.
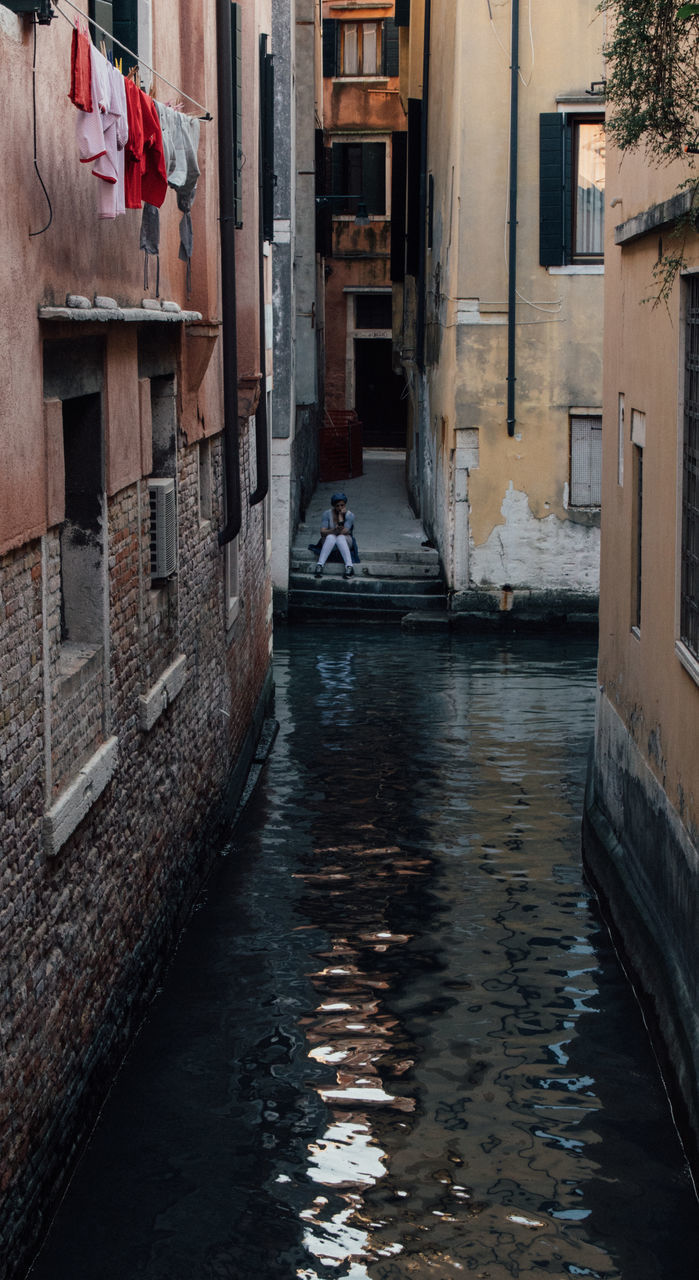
(373, 80)
(77, 799)
(578, 269)
(77, 663)
(689, 662)
(152, 704)
(232, 613)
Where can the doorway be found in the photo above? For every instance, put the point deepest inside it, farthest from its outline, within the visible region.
(379, 395)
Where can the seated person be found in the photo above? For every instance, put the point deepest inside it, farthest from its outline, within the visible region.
(336, 531)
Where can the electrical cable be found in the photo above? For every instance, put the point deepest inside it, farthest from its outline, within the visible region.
(140, 61)
(506, 51)
(36, 163)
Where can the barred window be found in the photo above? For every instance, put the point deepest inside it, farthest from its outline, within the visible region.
(586, 461)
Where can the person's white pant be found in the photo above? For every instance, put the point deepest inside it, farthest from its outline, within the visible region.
(335, 540)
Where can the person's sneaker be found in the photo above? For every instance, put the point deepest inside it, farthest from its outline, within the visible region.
(349, 571)
(319, 571)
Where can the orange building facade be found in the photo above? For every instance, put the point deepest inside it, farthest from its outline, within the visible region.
(363, 131)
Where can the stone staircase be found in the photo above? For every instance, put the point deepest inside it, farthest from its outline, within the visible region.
(388, 585)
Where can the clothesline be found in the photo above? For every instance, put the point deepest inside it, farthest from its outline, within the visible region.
(135, 56)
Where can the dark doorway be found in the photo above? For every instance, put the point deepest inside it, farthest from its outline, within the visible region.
(378, 394)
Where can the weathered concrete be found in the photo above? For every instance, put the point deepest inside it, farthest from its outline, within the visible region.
(645, 866)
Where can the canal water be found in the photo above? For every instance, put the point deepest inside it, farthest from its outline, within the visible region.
(395, 1040)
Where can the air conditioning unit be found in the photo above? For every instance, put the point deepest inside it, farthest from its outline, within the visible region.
(163, 527)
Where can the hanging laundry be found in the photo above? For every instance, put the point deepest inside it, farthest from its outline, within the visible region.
(133, 155)
(150, 243)
(101, 132)
(80, 71)
(153, 173)
(181, 141)
(119, 110)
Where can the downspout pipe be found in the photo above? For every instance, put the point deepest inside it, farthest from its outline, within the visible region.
(512, 253)
(229, 334)
(422, 239)
(261, 442)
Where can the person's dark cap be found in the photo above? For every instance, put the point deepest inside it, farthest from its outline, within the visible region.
(338, 497)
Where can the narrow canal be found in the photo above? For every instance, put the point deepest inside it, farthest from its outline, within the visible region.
(395, 1041)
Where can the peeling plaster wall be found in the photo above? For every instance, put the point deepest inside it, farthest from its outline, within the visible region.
(526, 549)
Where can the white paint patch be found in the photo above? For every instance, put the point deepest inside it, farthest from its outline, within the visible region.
(547, 554)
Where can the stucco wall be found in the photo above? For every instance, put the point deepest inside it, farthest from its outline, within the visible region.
(520, 528)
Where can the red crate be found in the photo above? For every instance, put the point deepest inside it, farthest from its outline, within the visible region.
(340, 445)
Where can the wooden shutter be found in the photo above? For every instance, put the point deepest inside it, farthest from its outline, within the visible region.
(237, 64)
(399, 178)
(552, 195)
(389, 56)
(331, 34)
(586, 461)
(402, 13)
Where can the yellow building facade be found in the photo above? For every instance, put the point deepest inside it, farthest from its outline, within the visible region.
(501, 336)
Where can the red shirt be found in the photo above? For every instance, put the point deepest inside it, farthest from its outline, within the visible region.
(133, 153)
(153, 171)
(80, 75)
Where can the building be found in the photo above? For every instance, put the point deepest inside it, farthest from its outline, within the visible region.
(364, 130)
(501, 286)
(641, 820)
(298, 326)
(135, 589)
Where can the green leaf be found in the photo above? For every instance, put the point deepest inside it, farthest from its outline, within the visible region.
(687, 10)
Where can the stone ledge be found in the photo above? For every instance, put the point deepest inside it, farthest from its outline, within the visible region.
(659, 215)
(162, 693)
(79, 796)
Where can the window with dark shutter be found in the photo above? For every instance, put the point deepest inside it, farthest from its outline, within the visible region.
(330, 44)
(571, 188)
(120, 17)
(402, 13)
(359, 172)
(323, 187)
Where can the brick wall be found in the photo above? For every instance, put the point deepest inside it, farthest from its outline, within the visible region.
(84, 934)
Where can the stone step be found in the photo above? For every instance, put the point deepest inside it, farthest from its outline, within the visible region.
(330, 603)
(367, 586)
(379, 568)
(412, 553)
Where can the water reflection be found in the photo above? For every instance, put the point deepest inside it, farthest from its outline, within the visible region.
(394, 1042)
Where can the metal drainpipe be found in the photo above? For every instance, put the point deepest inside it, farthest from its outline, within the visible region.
(422, 241)
(229, 337)
(512, 256)
(261, 444)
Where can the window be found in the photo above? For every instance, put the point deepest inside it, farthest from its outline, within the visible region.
(231, 582)
(373, 311)
(83, 530)
(586, 460)
(571, 189)
(359, 171)
(360, 48)
(205, 487)
(130, 22)
(689, 582)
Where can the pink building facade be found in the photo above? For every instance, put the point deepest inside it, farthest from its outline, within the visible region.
(135, 591)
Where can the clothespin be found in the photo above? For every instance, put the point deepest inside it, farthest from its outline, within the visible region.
(103, 48)
(118, 63)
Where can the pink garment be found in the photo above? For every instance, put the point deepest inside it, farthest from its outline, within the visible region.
(102, 134)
